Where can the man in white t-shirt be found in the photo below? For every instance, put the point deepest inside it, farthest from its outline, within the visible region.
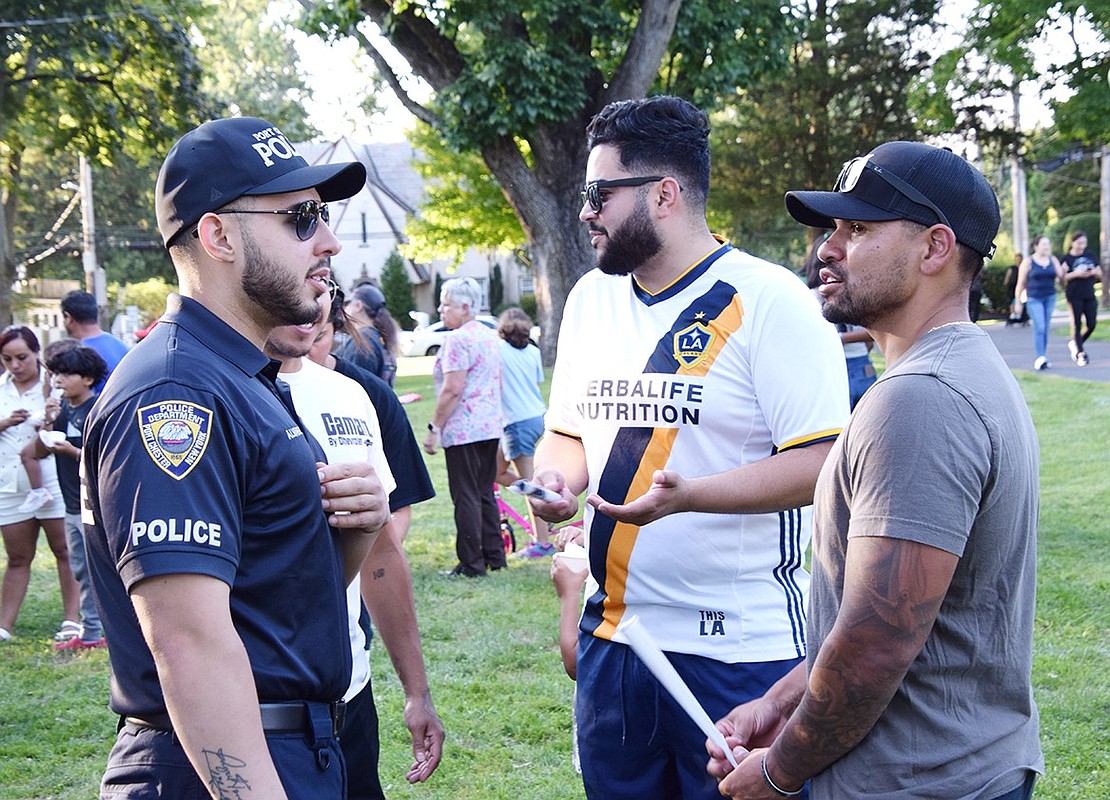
(338, 413)
(682, 354)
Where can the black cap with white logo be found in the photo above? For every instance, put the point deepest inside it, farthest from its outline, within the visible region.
(912, 181)
(226, 159)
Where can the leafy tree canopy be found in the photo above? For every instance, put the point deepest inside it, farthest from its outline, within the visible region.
(463, 207)
(95, 77)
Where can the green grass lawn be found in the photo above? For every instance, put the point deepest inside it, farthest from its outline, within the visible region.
(494, 663)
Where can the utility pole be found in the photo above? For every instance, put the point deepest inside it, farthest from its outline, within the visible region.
(1104, 223)
(95, 282)
(1017, 183)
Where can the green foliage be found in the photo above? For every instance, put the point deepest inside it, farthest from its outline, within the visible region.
(149, 296)
(846, 89)
(95, 77)
(524, 67)
(1089, 223)
(463, 206)
(250, 67)
(994, 287)
(720, 47)
(397, 290)
(528, 305)
(496, 289)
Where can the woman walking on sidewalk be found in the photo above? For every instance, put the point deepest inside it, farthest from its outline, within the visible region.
(1081, 273)
(1036, 288)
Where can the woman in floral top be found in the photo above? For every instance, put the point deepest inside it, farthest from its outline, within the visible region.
(467, 423)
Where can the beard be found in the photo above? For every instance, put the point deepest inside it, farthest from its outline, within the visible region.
(865, 304)
(630, 245)
(278, 294)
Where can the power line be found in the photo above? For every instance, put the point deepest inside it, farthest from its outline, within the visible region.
(35, 23)
(38, 23)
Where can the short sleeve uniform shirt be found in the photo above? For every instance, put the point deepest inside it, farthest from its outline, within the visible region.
(194, 465)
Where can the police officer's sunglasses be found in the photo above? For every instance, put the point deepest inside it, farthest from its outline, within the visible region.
(850, 175)
(305, 216)
(592, 193)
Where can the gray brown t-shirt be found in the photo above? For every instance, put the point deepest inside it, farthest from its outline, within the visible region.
(941, 451)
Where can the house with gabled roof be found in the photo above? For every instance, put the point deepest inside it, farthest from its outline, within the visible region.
(371, 224)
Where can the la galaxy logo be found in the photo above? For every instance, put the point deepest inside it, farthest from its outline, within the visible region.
(175, 434)
(691, 344)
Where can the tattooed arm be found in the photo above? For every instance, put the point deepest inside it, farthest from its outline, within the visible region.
(207, 683)
(893, 589)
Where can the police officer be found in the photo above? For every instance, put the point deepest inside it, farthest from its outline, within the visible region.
(219, 544)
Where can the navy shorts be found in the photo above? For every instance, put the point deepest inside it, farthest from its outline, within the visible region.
(520, 438)
(147, 763)
(634, 741)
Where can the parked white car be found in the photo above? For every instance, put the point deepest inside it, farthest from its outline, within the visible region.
(426, 341)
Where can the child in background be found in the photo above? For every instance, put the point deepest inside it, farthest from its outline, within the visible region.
(38, 495)
(76, 370)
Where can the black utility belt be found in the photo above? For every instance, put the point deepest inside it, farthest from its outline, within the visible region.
(292, 717)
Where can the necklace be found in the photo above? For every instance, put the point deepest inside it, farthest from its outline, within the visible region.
(948, 325)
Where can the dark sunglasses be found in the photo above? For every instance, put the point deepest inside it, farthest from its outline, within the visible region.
(592, 193)
(306, 216)
(850, 175)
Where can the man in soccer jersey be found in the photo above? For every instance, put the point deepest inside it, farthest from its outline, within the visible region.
(918, 676)
(682, 353)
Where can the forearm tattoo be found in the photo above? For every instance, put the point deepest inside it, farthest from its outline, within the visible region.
(225, 781)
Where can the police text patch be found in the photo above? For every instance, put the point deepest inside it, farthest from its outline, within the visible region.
(175, 434)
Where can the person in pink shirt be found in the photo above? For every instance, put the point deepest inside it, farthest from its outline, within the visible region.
(466, 422)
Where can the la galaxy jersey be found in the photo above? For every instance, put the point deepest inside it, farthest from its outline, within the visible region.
(729, 365)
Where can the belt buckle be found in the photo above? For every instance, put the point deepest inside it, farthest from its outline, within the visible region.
(338, 716)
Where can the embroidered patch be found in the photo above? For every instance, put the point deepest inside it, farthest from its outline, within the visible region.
(175, 434)
(691, 344)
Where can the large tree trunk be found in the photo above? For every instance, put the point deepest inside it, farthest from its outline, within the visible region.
(7, 247)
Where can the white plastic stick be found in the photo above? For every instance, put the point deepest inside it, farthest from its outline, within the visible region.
(529, 489)
(644, 646)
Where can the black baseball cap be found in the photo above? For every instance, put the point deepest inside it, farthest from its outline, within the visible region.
(225, 159)
(953, 191)
(370, 296)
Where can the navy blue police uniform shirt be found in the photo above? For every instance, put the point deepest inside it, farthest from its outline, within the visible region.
(414, 484)
(194, 465)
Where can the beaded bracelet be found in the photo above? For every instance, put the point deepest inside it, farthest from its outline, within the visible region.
(771, 784)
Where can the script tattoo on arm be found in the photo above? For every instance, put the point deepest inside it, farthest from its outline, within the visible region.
(225, 782)
(893, 590)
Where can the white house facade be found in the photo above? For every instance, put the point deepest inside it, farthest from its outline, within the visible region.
(371, 224)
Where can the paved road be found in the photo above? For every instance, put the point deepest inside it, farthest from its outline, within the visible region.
(1015, 343)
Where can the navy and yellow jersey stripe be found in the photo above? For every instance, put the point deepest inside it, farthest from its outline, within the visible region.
(637, 451)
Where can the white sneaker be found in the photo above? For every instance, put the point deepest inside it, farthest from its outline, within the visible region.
(35, 499)
(1040, 363)
(1082, 359)
(1073, 348)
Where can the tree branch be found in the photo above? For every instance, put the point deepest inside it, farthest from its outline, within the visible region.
(416, 109)
(431, 55)
(640, 65)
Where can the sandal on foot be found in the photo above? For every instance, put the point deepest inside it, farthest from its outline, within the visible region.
(68, 630)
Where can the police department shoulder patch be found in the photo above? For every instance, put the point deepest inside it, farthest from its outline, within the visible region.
(175, 434)
(691, 344)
